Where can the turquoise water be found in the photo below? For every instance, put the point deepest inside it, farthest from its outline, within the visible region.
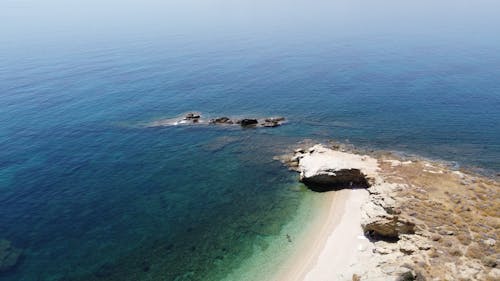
(89, 194)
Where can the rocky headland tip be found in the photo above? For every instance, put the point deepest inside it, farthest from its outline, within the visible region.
(424, 219)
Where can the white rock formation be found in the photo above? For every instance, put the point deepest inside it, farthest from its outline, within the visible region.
(324, 169)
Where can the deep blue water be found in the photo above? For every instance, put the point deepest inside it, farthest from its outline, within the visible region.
(89, 194)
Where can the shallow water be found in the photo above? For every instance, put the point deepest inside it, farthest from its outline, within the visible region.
(89, 194)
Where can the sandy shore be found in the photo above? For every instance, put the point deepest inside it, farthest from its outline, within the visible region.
(335, 241)
(443, 222)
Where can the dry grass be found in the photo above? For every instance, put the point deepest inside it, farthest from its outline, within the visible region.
(455, 252)
(458, 211)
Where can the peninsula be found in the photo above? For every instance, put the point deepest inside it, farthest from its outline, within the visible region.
(398, 219)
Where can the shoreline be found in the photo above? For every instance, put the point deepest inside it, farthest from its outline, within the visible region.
(419, 214)
(276, 260)
(306, 254)
(345, 242)
(335, 231)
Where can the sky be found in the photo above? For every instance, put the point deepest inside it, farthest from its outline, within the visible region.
(30, 23)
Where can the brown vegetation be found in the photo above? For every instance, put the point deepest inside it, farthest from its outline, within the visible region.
(458, 211)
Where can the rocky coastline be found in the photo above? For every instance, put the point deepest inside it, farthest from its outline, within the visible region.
(423, 219)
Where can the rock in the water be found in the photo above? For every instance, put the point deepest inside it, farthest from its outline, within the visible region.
(189, 118)
(196, 118)
(270, 124)
(9, 256)
(273, 122)
(221, 120)
(248, 122)
(192, 116)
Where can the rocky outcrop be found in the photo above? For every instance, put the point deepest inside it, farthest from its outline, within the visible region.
(377, 223)
(425, 220)
(9, 256)
(381, 218)
(196, 118)
(273, 122)
(247, 122)
(323, 169)
(331, 179)
(192, 116)
(383, 226)
(222, 120)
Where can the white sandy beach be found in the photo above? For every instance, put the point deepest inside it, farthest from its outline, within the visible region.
(336, 242)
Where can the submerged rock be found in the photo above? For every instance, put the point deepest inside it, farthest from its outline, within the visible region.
(9, 256)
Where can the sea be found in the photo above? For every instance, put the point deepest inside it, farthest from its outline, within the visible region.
(88, 191)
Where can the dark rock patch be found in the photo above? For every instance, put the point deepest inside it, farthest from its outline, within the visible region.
(192, 116)
(221, 120)
(248, 122)
(336, 179)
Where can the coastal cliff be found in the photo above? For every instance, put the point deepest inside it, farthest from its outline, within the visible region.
(422, 219)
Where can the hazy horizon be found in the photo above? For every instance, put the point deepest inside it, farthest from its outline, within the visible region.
(69, 25)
